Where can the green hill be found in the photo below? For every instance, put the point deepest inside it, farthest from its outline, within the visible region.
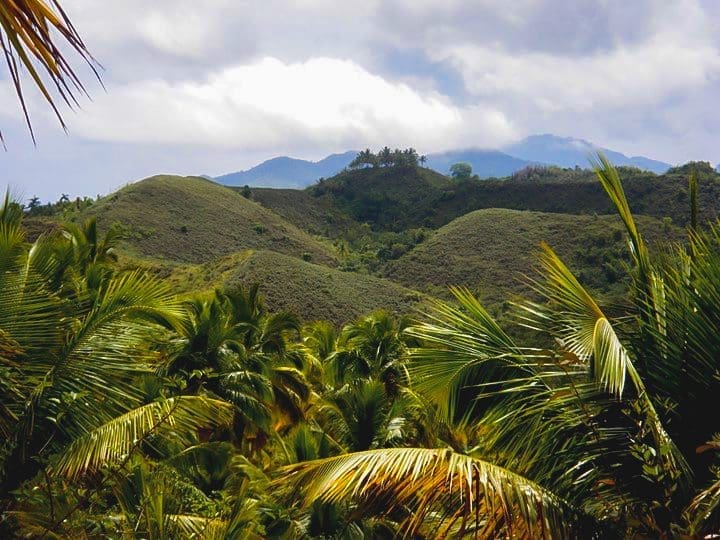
(311, 291)
(398, 198)
(317, 292)
(195, 220)
(489, 250)
(315, 215)
(389, 198)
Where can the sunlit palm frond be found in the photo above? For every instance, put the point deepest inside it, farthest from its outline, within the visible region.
(436, 491)
(582, 329)
(462, 347)
(648, 285)
(190, 526)
(111, 443)
(611, 183)
(28, 39)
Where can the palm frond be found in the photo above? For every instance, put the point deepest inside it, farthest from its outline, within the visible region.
(583, 330)
(646, 280)
(114, 441)
(27, 40)
(461, 347)
(190, 526)
(438, 492)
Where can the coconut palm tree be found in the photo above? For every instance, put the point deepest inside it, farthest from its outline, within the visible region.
(71, 404)
(370, 348)
(602, 433)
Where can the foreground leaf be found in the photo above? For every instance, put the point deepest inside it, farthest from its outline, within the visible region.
(436, 491)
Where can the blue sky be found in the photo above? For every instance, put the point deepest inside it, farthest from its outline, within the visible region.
(217, 86)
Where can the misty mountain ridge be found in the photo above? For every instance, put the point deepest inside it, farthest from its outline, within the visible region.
(540, 150)
(287, 172)
(571, 152)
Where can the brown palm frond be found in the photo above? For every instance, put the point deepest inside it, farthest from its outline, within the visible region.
(436, 492)
(27, 41)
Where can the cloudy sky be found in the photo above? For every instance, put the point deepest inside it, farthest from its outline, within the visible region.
(217, 86)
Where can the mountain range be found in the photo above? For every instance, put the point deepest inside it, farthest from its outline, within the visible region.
(546, 149)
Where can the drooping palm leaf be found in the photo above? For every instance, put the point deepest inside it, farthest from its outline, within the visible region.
(27, 41)
(583, 330)
(176, 418)
(438, 492)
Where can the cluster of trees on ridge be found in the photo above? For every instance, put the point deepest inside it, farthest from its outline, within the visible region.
(126, 411)
(388, 158)
(408, 157)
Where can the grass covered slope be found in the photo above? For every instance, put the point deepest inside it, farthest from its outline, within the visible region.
(194, 220)
(315, 215)
(311, 291)
(489, 250)
(398, 198)
(316, 292)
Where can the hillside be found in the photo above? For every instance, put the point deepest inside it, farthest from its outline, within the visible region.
(194, 220)
(389, 198)
(395, 198)
(311, 291)
(315, 215)
(489, 250)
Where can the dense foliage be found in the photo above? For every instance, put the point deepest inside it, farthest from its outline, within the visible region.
(127, 412)
(387, 158)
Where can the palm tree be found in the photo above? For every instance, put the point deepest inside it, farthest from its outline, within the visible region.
(602, 433)
(88, 248)
(32, 36)
(371, 347)
(385, 157)
(71, 404)
(235, 350)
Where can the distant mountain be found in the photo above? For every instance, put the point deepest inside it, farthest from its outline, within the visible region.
(570, 152)
(286, 172)
(485, 163)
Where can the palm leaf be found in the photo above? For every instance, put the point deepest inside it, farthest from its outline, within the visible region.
(462, 347)
(114, 441)
(27, 40)
(439, 492)
(583, 330)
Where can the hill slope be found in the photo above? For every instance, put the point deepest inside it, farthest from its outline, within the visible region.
(311, 291)
(389, 198)
(488, 251)
(191, 219)
(396, 198)
(315, 215)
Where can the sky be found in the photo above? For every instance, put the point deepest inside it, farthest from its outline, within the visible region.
(218, 86)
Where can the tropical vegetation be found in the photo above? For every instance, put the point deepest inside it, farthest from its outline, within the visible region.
(127, 411)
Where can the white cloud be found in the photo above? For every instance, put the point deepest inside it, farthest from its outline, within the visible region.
(641, 75)
(270, 104)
